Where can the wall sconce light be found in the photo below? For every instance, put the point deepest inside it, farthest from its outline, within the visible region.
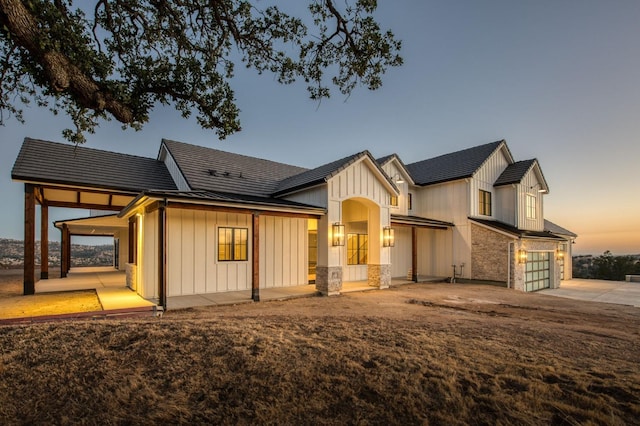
(560, 252)
(522, 256)
(338, 234)
(388, 237)
(397, 178)
(540, 188)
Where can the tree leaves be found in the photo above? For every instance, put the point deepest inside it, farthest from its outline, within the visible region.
(131, 55)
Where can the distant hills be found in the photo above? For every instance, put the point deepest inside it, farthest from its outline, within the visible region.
(12, 254)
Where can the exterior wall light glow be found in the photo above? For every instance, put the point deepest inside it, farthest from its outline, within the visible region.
(388, 237)
(337, 234)
(560, 252)
(522, 256)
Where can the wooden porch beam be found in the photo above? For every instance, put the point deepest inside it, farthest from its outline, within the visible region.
(29, 285)
(63, 250)
(71, 205)
(162, 256)
(255, 254)
(44, 242)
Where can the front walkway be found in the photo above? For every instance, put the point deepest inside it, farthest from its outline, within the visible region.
(617, 292)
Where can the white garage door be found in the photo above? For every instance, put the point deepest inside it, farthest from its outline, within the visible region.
(538, 271)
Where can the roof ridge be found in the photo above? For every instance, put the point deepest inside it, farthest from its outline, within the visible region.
(83, 147)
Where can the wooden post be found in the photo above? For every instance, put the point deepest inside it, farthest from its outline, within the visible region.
(29, 285)
(414, 254)
(64, 242)
(44, 242)
(68, 249)
(255, 266)
(162, 258)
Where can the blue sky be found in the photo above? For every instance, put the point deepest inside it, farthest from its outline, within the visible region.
(558, 79)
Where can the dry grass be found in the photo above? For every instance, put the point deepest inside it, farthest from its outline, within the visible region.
(420, 354)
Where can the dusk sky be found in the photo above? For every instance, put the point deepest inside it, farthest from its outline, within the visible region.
(559, 80)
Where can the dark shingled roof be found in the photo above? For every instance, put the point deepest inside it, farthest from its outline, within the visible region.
(514, 172)
(556, 229)
(386, 158)
(320, 174)
(453, 166)
(515, 231)
(58, 163)
(219, 171)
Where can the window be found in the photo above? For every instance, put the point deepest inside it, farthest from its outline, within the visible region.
(484, 203)
(394, 200)
(357, 249)
(531, 206)
(410, 201)
(232, 244)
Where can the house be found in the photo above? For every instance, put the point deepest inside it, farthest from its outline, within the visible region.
(197, 220)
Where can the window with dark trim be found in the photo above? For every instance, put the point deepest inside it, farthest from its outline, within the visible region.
(393, 200)
(357, 249)
(232, 244)
(484, 203)
(410, 201)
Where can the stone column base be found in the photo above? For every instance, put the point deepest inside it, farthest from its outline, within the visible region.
(329, 280)
(379, 275)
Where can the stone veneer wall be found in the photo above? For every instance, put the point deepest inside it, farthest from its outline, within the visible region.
(131, 272)
(329, 280)
(489, 254)
(379, 275)
(519, 269)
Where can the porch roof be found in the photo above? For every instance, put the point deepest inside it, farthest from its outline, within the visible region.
(420, 221)
(516, 232)
(103, 225)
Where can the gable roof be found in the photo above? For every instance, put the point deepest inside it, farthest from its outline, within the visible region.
(514, 173)
(220, 171)
(394, 157)
(323, 173)
(455, 165)
(557, 229)
(58, 163)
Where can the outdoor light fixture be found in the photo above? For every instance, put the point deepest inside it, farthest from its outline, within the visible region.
(388, 237)
(338, 234)
(522, 256)
(540, 188)
(560, 252)
(398, 178)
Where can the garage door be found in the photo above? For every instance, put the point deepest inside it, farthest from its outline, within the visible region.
(538, 274)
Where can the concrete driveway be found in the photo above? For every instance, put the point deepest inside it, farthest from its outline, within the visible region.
(618, 292)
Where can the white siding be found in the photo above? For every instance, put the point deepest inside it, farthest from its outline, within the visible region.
(174, 171)
(505, 204)
(401, 252)
(316, 196)
(358, 181)
(283, 251)
(148, 258)
(484, 178)
(435, 254)
(530, 185)
(447, 201)
(392, 169)
(192, 265)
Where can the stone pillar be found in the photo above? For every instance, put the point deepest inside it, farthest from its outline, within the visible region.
(329, 268)
(379, 275)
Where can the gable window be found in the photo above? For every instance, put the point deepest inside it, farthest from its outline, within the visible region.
(357, 249)
(484, 203)
(531, 206)
(410, 201)
(393, 200)
(232, 243)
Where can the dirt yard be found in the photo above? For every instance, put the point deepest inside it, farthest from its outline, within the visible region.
(417, 354)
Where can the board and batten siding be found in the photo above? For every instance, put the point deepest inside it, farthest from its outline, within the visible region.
(358, 181)
(530, 185)
(283, 251)
(448, 201)
(192, 262)
(316, 196)
(435, 252)
(148, 257)
(174, 171)
(394, 171)
(505, 204)
(484, 178)
(401, 252)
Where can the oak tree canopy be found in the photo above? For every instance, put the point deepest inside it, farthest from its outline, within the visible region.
(117, 59)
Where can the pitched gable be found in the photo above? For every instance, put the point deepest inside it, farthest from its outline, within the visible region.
(516, 172)
(456, 165)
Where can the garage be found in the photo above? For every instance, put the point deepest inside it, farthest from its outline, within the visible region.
(538, 270)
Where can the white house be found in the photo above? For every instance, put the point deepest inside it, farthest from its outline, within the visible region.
(197, 220)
